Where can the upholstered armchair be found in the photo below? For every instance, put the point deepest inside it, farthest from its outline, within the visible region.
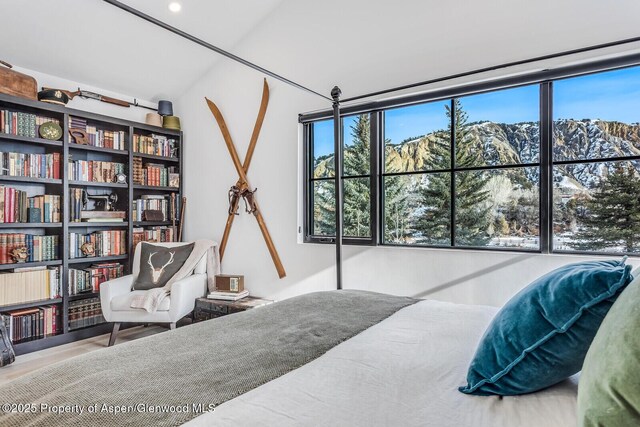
(116, 295)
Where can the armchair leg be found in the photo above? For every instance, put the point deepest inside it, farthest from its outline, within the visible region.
(172, 325)
(114, 333)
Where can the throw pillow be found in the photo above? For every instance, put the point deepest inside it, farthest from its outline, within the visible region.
(609, 389)
(541, 336)
(158, 264)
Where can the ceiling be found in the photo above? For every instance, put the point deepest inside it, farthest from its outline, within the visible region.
(93, 42)
(316, 43)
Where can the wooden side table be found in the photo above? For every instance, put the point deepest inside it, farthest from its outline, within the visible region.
(206, 308)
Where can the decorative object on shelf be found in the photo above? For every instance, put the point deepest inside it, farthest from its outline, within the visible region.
(242, 186)
(171, 122)
(120, 178)
(7, 353)
(174, 180)
(80, 136)
(173, 213)
(85, 94)
(53, 96)
(17, 84)
(19, 254)
(165, 108)
(152, 215)
(103, 202)
(183, 210)
(153, 119)
(51, 131)
(88, 249)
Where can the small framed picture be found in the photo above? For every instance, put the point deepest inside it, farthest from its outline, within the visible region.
(174, 180)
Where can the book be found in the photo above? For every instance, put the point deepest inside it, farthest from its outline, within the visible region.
(157, 145)
(105, 243)
(104, 220)
(103, 214)
(30, 285)
(228, 296)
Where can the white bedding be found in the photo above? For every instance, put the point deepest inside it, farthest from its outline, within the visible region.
(404, 371)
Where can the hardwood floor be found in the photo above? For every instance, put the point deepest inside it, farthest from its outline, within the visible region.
(30, 362)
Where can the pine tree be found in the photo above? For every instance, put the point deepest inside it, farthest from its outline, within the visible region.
(472, 212)
(324, 208)
(613, 214)
(396, 209)
(433, 223)
(357, 200)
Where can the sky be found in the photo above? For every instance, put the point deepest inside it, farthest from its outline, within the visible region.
(613, 95)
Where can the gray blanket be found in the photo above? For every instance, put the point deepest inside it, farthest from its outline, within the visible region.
(174, 376)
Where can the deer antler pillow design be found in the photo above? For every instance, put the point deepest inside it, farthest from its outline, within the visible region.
(158, 264)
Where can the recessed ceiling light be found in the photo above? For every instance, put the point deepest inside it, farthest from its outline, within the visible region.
(175, 7)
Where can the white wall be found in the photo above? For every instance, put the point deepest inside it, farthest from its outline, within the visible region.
(132, 113)
(373, 47)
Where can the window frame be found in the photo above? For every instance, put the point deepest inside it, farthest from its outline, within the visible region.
(543, 79)
(309, 237)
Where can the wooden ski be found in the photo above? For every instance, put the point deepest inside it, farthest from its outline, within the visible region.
(243, 182)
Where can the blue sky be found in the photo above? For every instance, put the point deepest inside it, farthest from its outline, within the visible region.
(613, 95)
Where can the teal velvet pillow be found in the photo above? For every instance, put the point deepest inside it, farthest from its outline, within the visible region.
(541, 336)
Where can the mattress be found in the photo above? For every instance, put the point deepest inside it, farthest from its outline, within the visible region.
(403, 371)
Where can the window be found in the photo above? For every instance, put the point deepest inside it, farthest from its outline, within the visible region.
(492, 176)
(356, 176)
(542, 167)
(596, 148)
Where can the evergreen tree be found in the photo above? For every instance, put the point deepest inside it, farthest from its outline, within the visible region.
(613, 213)
(324, 208)
(432, 223)
(472, 220)
(396, 209)
(472, 212)
(357, 201)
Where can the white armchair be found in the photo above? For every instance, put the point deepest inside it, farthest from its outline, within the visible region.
(115, 297)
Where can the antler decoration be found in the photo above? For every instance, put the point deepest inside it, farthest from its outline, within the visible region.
(242, 187)
(157, 272)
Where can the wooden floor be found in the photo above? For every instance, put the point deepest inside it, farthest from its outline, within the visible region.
(38, 359)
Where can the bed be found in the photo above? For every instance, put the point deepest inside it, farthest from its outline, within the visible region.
(329, 358)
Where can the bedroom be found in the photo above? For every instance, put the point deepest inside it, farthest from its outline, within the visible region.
(525, 69)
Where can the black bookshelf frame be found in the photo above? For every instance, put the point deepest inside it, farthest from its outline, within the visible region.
(61, 187)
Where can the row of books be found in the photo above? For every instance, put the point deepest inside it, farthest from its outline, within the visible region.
(153, 234)
(76, 198)
(15, 206)
(22, 124)
(99, 137)
(105, 243)
(30, 165)
(39, 248)
(158, 145)
(152, 202)
(159, 176)
(85, 312)
(89, 279)
(30, 284)
(32, 323)
(94, 170)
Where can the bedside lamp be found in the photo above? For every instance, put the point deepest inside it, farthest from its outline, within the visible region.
(165, 108)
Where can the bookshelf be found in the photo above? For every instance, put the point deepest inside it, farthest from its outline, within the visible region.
(122, 133)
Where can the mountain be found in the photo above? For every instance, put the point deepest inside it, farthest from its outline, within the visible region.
(518, 143)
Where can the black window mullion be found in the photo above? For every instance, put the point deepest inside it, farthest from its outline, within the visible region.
(308, 192)
(374, 153)
(452, 186)
(546, 168)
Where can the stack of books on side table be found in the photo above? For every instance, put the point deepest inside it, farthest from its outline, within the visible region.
(228, 296)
